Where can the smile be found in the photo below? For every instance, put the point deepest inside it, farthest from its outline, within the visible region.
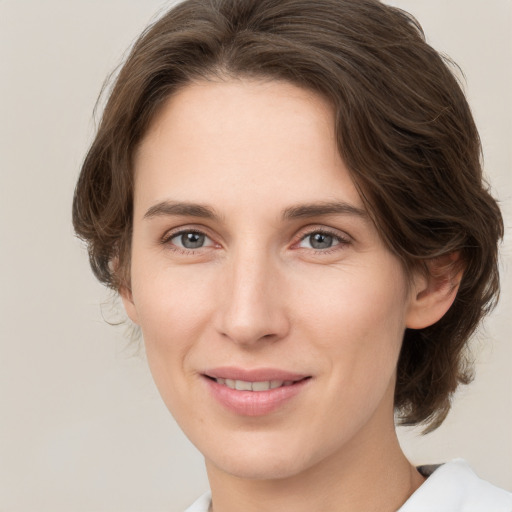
(255, 392)
(242, 385)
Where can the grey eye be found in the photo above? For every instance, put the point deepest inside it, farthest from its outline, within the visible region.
(190, 240)
(321, 240)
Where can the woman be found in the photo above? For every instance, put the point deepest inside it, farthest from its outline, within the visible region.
(288, 197)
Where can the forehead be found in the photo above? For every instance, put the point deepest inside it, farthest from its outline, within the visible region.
(259, 140)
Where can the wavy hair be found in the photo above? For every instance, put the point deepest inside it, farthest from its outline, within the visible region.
(403, 127)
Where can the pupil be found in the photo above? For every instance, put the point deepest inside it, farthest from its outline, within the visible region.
(321, 241)
(192, 240)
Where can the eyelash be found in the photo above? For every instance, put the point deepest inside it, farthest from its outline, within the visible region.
(166, 240)
(342, 241)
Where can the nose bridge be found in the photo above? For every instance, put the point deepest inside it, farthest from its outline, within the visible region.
(252, 307)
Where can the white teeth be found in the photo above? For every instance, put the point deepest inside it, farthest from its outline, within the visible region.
(243, 385)
(261, 386)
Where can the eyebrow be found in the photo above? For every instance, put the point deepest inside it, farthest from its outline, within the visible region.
(170, 208)
(320, 209)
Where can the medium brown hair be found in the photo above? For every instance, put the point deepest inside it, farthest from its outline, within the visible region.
(403, 126)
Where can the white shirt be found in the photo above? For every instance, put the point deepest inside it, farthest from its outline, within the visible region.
(452, 487)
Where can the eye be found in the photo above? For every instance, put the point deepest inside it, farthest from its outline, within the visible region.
(321, 240)
(189, 240)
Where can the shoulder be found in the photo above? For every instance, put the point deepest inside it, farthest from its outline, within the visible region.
(202, 504)
(454, 487)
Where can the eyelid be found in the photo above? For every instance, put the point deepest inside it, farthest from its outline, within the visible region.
(180, 230)
(342, 237)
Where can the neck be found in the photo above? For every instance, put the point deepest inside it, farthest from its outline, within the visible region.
(371, 474)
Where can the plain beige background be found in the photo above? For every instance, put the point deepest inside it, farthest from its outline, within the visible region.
(81, 425)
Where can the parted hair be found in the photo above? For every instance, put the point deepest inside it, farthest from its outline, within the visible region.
(403, 126)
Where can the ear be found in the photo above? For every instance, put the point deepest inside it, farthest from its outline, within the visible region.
(129, 305)
(434, 290)
(124, 290)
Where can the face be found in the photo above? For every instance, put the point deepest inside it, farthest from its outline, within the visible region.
(256, 267)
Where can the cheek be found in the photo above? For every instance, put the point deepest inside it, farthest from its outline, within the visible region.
(173, 309)
(355, 300)
(170, 299)
(358, 318)
(358, 323)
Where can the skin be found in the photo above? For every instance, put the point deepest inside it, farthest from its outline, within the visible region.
(261, 293)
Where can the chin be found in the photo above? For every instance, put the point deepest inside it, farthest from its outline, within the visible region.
(263, 467)
(277, 457)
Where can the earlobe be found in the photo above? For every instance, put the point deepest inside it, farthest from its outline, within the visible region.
(129, 305)
(434, 291)
(124, 289)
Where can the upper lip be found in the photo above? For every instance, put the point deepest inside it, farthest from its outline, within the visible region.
(253, 375)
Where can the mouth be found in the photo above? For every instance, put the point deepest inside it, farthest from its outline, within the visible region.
(255, 392)
(257, 386)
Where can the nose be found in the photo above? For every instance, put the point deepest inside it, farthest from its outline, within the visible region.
(252, 300)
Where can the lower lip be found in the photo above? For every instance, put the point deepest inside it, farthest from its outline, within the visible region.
(254, 403)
